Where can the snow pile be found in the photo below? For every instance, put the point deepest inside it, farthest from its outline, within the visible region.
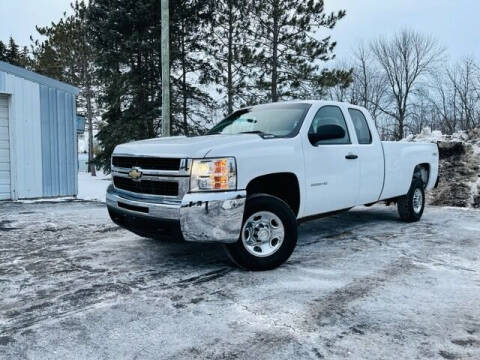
(426, 135)
(459, 181)
(471, 137)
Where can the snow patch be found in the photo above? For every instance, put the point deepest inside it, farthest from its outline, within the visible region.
(475, 196)
(93, 187)
(49, 200)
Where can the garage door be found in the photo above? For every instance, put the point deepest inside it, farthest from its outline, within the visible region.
(4, 150)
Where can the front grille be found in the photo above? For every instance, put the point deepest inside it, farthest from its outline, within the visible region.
(166, 188)
(147, 163)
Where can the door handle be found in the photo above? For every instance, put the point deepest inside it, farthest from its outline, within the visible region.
(351, 156)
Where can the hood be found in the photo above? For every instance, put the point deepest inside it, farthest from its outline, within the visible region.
(186, 147)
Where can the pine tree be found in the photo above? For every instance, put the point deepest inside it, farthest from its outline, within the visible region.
(13, 53)
(47, 58)
(288, 52)
(3, 51)
(126, 37)
(84, 64)
(25, 59)
(231, 52)
(190, 67)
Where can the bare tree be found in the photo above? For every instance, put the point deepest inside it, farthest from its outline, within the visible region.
(422, 114)
(405, 60)
(464, 79)
(455, 97)
(443, 97)
(369, 83)
(368, 87)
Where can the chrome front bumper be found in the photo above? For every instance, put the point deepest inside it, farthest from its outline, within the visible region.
(203, 217)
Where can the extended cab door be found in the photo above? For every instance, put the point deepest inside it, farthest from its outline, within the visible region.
(331, 166)
(370, 156)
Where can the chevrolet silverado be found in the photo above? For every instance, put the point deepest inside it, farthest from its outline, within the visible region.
(254, 176)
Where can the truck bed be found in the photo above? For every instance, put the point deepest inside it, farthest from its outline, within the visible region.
(400, 158)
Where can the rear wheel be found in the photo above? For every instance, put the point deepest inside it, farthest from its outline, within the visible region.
(268, 236)
(410, 207)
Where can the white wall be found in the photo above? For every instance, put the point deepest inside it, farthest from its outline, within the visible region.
(25, 141)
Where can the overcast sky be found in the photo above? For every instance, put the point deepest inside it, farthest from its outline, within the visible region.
(454, 23)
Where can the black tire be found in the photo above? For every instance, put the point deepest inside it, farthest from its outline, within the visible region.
(406, 205)
(243, 258)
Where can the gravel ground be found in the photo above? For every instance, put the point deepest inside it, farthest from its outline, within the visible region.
(359, 285)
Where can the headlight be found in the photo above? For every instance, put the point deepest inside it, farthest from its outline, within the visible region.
(213, 175)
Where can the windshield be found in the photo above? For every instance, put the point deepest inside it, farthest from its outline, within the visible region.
(279, 120)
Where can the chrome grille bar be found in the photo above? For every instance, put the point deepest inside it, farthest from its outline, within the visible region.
(181, 176)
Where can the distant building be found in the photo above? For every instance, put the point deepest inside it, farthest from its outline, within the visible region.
(38, 135)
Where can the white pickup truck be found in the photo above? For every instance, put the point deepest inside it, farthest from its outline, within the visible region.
(259, 172)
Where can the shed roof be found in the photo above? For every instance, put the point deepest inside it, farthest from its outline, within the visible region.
(41, 79)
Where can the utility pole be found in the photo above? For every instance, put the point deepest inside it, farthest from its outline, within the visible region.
(165, 48)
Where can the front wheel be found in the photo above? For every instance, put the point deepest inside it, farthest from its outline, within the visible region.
(268, 236)
(410, 207)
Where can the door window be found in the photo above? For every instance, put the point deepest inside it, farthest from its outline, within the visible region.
(329, 115)
(361, 126)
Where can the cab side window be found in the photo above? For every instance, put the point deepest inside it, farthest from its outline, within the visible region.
(361, 126)
(329, 115)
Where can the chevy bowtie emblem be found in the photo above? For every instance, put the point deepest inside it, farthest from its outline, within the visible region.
(135, 174)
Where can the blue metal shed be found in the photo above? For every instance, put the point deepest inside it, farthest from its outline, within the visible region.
(38, 139)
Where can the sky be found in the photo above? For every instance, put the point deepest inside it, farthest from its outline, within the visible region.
(454, 23)
(19, 17)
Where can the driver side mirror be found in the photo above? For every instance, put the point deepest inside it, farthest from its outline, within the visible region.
(326, 132)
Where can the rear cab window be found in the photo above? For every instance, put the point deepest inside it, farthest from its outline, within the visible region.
(360, 124)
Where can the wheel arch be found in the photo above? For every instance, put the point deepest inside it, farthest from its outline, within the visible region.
(283, 185)
(422, 172)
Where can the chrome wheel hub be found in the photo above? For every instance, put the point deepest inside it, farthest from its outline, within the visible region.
(263, 233)
(417, 200)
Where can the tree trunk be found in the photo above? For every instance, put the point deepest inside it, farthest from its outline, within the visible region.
(230, 59)
(165, 65)
(184, 83)
(401, 121)
(88, 95)
(91, 166)
(274, 94)
(365, 85)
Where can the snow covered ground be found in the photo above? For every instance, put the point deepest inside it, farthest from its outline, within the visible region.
(360, 285)
(92, 187)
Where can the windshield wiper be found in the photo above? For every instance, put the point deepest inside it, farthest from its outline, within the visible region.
(259, 132)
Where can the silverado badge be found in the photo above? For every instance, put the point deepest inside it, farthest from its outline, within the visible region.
(135, 174)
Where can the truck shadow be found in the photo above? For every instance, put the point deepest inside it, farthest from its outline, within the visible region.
(349, 220)
(204, 255)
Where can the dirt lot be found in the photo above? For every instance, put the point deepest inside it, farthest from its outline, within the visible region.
(359, 285)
